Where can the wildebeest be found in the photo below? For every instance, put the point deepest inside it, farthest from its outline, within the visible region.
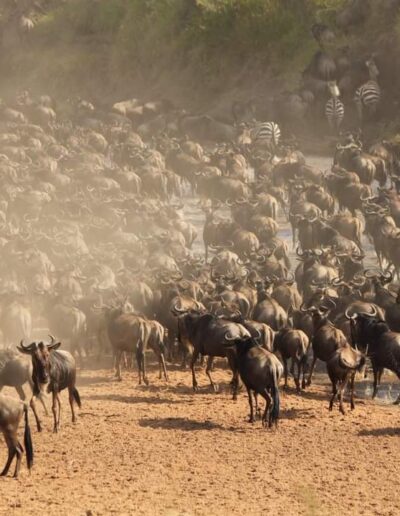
(342, 368)
(57, 370)
(11, 412)
(15, 371)
(206, 334)
(382, 346)
(260, 371)
(293, 344)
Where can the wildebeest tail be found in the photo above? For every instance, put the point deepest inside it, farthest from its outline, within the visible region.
(275, 398)
(28, 440)
(76, 396)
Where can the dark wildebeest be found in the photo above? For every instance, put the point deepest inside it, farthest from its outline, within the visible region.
(293, 344)
(260, 371)
(11, 412)
(57, 370)
(382, 346)
(326, 337)
(342, 368)
(205, 334)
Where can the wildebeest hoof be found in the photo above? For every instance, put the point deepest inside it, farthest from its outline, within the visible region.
(146, 381)
(215, 387)
(195, 388)
(251, 420)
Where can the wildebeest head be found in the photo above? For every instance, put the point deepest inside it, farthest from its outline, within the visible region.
(40, 354)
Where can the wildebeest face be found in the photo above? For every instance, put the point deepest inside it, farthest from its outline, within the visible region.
(40, 354)
(41, 363)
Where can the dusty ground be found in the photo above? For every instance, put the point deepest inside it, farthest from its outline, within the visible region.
(162, 450)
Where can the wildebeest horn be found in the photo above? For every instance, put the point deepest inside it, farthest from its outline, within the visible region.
(26, 349)
(350, 317)
(387, 276)
(367, 273)
(53, 343)
(357, 281)
(178, 310)
(229, 337)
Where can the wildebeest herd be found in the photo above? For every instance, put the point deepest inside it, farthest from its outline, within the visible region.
(96, 250)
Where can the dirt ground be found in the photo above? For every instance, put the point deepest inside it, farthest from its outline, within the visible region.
(162, 450)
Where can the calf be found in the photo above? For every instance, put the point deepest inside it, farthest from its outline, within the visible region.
(342, 368)
(57, 370)
(11, 412)
(155, 340)
(293, 344)
(260, 371)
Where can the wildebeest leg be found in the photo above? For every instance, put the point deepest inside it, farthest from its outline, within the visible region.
(208, 373)
(352, 378)
(297, 378)
(21, 394)
(145, 379)
(54, 410)
(268, 400)
(311, 370)
(304, 366)
(285, 371)
(59, 410)
(192, 364)
(164, 367)
(342, 388)
(71, 402)
(11, 445)
(251, 417)
(258, 410)
(334, 393)
(118, 355)
(235, 378)
(139, 363)
(19, 451)
(375, 371)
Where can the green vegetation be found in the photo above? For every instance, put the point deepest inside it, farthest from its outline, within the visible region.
(115, 46)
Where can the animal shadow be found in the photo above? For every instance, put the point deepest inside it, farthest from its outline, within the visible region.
(379, 432)
(131, 399)
(179, 423)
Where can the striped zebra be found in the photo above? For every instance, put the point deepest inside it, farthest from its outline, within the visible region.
(367, 98)
(265, 134)
(334, 113)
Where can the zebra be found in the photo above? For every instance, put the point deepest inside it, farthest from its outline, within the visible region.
(334, 112)
(334, 108)
(265, 134)
(368, 96)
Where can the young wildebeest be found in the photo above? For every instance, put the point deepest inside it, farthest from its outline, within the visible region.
(260, 371)
(155, 334)
(15, 371)
(293, 344)
(342, 367)
(57, 370)
(11, 412)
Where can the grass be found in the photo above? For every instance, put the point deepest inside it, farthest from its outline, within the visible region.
(110, 43)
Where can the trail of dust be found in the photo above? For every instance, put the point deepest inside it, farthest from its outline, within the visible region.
(163, 450)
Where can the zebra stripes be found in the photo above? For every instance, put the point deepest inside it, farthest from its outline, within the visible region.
(334, 112)
(367, 98)
(266, 134)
